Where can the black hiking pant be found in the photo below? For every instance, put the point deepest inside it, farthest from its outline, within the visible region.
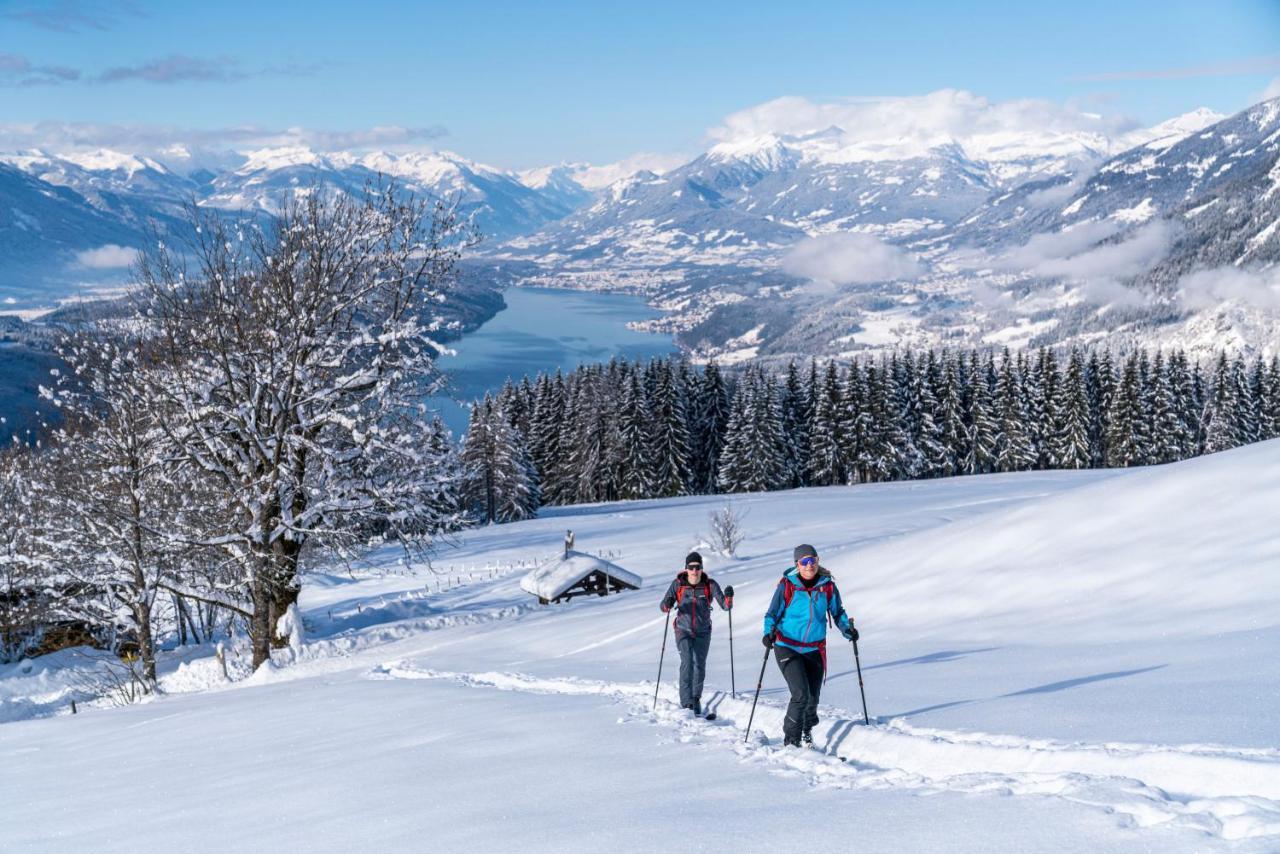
(803, 672)
(693, 667)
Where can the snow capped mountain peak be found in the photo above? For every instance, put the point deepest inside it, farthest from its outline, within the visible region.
(422, 166)
(280, 157)
(592, 178)
(543, 176)
(28, 159)
(767, 151)
(1168, 133)
(106, 160)
(92, 160)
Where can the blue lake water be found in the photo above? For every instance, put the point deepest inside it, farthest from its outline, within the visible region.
(543, 329)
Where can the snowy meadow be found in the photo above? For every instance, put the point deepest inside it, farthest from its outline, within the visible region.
(1054, 661)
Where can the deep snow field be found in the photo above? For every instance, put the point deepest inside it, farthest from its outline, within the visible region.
(1053, 662)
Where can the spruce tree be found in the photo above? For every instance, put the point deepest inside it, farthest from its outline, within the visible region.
(1102, 384)
(670, 445)
(888, 442)
(984, 428)
(712, 401)
(1182, 389)
(901, 400)
(1046, 413)
(754, 458)
(954, 435)
(1035, 406)
(857, 430)
(549, 457)
(499, 481)
(589, 440)
(731, 474)
(935, 455)
(1200, 404)
(825, 453)
(1014, 451)
(1166, 429)
(1271, 401)
(1221, 431)
(1073, 445)
(797, 413)
(635, 474)
(1250, 390)
(1127, 438)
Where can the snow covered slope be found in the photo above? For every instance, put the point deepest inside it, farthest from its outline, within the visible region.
(1053, 662)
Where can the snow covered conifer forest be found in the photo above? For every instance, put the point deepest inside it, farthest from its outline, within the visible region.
(667, 428)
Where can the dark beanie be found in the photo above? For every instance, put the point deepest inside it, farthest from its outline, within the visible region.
(693, 557)
(804, 550)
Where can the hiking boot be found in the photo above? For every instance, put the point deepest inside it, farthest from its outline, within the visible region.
(790, 740)
(807, 737)
(697, 707)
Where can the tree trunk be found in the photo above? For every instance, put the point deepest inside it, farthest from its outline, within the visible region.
(146, 646)
(180, 616)
(260, 624)
(285, 591)
(141, 605)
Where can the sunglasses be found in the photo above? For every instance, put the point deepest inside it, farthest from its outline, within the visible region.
(808, 561)
(694, 567)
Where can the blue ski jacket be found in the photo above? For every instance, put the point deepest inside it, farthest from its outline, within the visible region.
(797, 617)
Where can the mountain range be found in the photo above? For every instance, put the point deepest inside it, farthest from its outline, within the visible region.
(772, 244)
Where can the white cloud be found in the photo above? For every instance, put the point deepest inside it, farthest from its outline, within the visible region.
(1085, 257)
(107, 257)
(1136, 254)
(156, 140)
(1058, 194)
(847, 259)
(1052, 247)
(1081, 253)
(996, 129)
(1209, 288)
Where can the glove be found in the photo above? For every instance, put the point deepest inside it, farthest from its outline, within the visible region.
(728, 603)
(767, 640)
(665, 608)
(728, 592)
(851, 634)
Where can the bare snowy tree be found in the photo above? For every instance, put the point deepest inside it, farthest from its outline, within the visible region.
(123, 510)
(24, 559)
(726, 530)
(295, 360)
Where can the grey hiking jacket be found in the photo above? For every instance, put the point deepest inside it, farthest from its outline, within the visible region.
(693, 605)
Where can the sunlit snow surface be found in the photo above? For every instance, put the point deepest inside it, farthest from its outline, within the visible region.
(1053, 662)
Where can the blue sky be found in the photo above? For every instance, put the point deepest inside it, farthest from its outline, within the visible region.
(523, 84)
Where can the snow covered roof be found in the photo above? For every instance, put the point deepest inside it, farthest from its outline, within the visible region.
(553, 578)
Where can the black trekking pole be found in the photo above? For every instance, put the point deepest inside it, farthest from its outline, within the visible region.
(733, 682)
(666, 624)
(858, 664)
(759, 684)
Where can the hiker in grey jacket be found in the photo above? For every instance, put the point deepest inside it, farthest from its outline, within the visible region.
(691, 594)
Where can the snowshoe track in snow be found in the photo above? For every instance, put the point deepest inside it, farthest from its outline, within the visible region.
(1225, 792)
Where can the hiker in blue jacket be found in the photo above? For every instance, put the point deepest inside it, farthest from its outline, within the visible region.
(691, 594)
(795, 627)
